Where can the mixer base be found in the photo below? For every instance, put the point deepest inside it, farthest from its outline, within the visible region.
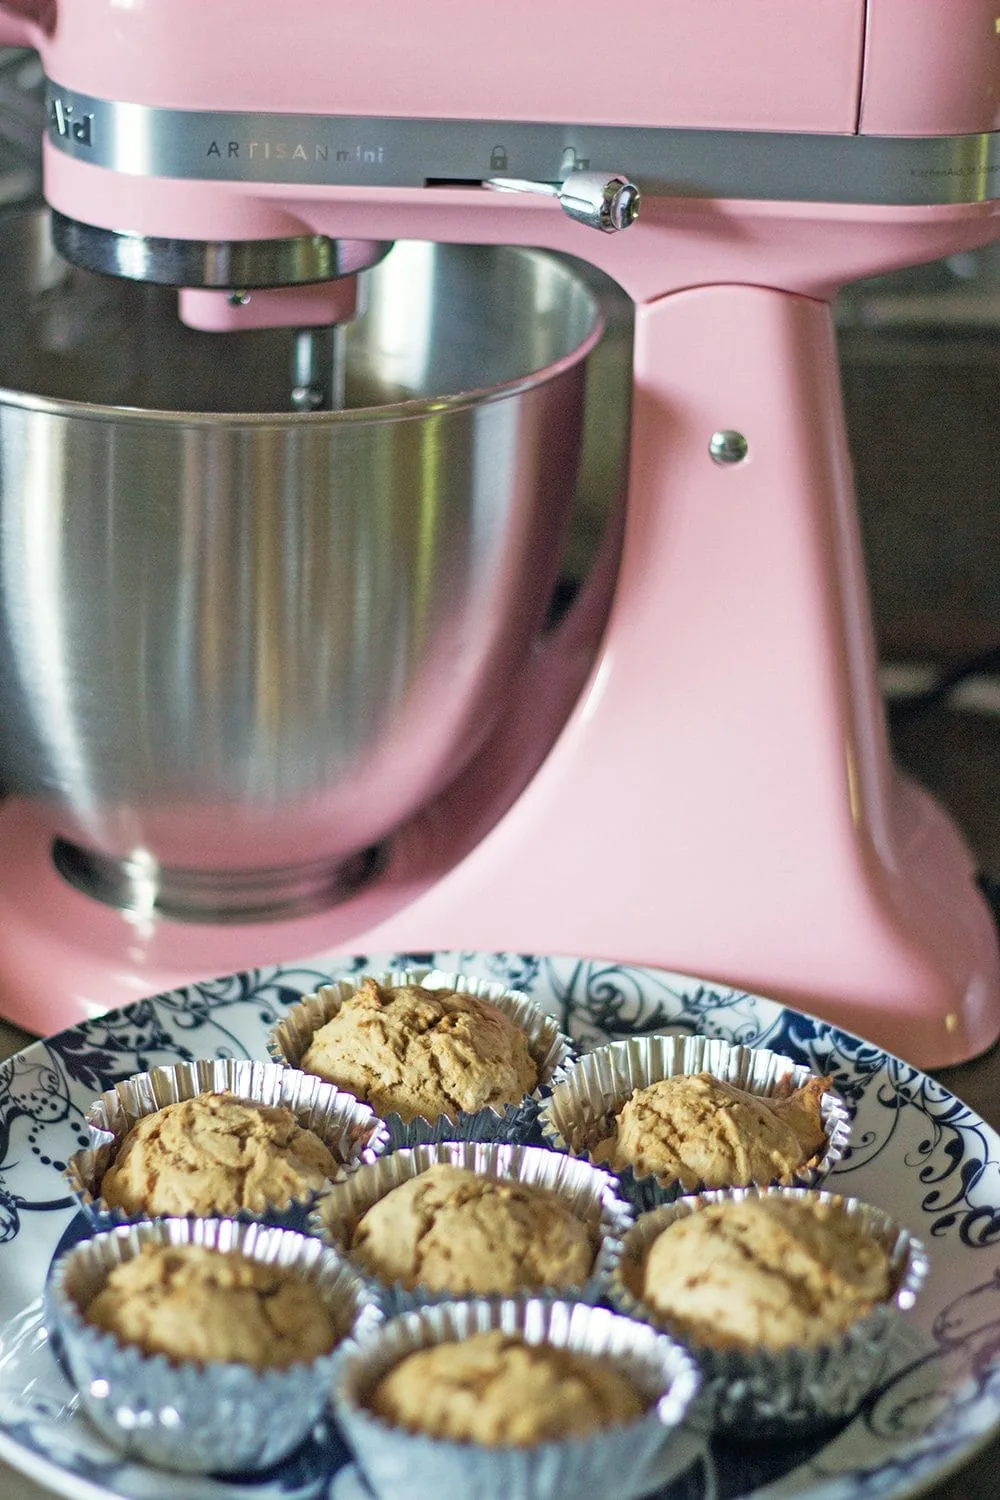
(65, 957)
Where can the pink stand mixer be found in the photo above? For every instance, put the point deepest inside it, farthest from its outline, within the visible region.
(691, 769)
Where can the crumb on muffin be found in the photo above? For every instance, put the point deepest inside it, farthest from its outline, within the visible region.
(192, 1303)
(500, 1391)
(415, 1051)
(216, 1154)
(460, 1231)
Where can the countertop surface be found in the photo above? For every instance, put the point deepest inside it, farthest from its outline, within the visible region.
(977, 1083)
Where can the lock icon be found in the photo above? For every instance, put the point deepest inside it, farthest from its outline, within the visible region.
(573, 163)
(498, 159)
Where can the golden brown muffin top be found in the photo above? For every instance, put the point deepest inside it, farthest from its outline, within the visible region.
(772, 1272)
(498, 1390)
(192, 1303)
(465, 1232)
(215, 1154)
(416, 1051)
(697, 1130)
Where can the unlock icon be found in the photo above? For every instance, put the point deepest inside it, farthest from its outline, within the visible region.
(498, 159)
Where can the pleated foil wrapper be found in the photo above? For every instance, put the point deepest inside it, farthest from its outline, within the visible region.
(580, 1111)
(617, 1463)
(587, 1191)
(351, 1132)
(775, 1393)
(289, 1041)
(188, 1417)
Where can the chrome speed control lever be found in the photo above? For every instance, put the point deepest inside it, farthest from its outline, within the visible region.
(601, 200)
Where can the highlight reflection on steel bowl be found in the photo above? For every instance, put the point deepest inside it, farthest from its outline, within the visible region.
(252, 641)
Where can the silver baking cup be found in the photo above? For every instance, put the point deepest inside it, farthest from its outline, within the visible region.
(771, 1393)
(188, 1417)
(587, 1191)
(616, 1463)
(288, 1042)
(351, 1132)
(590, 1093)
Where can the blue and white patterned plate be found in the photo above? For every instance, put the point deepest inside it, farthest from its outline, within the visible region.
(917, 1151)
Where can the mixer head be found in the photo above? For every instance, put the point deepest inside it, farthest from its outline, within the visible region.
(280, 157)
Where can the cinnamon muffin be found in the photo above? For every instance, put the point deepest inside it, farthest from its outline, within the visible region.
(769, 1272)
(192, 1303)
(215, 1154)
(695, 1129)
(497, 1390)
(459, 1231)
(413, 1051)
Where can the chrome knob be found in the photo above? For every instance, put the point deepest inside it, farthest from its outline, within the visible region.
(601, 200)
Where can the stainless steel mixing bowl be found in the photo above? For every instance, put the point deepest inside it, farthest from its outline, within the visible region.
(238, 644)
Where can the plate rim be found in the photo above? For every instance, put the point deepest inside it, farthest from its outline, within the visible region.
(52, 1475)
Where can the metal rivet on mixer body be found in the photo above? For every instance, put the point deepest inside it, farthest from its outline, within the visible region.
(728, 446)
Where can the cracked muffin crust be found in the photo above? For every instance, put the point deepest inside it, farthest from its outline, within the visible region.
(415, 1051)
(697, 1130)
(459, 1231)
(216, 1154)
(191, 1303)
(771, 1272)
(500, 1391)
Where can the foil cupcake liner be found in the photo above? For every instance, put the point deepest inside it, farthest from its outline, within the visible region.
(584, 1099)
(587, 1191)
(189, 1417)
(787, 1392)
(616, 1462)
(351, 1132)
(288, 1042)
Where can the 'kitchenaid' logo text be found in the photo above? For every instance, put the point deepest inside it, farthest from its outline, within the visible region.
(373, 156)
(66, 124)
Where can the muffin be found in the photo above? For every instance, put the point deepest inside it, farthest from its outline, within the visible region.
(219, 1137)
(216, 1154)
(773, 1273)
(673, 1114)
(412, 1051)
(788, 1299)
(694, 1129)
(189, 1302)
(521, 1396)
(203, 1345)
(500, 1391)
(463, 1232)
(459, 1217)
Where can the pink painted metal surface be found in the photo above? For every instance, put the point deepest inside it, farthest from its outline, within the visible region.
(771, 64)
(19, 24)
(281, 307)
(931, 67)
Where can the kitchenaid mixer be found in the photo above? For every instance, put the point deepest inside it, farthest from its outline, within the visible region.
(692, 769)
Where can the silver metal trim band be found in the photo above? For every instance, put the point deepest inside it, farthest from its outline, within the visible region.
(299, 260)
(304, 149)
